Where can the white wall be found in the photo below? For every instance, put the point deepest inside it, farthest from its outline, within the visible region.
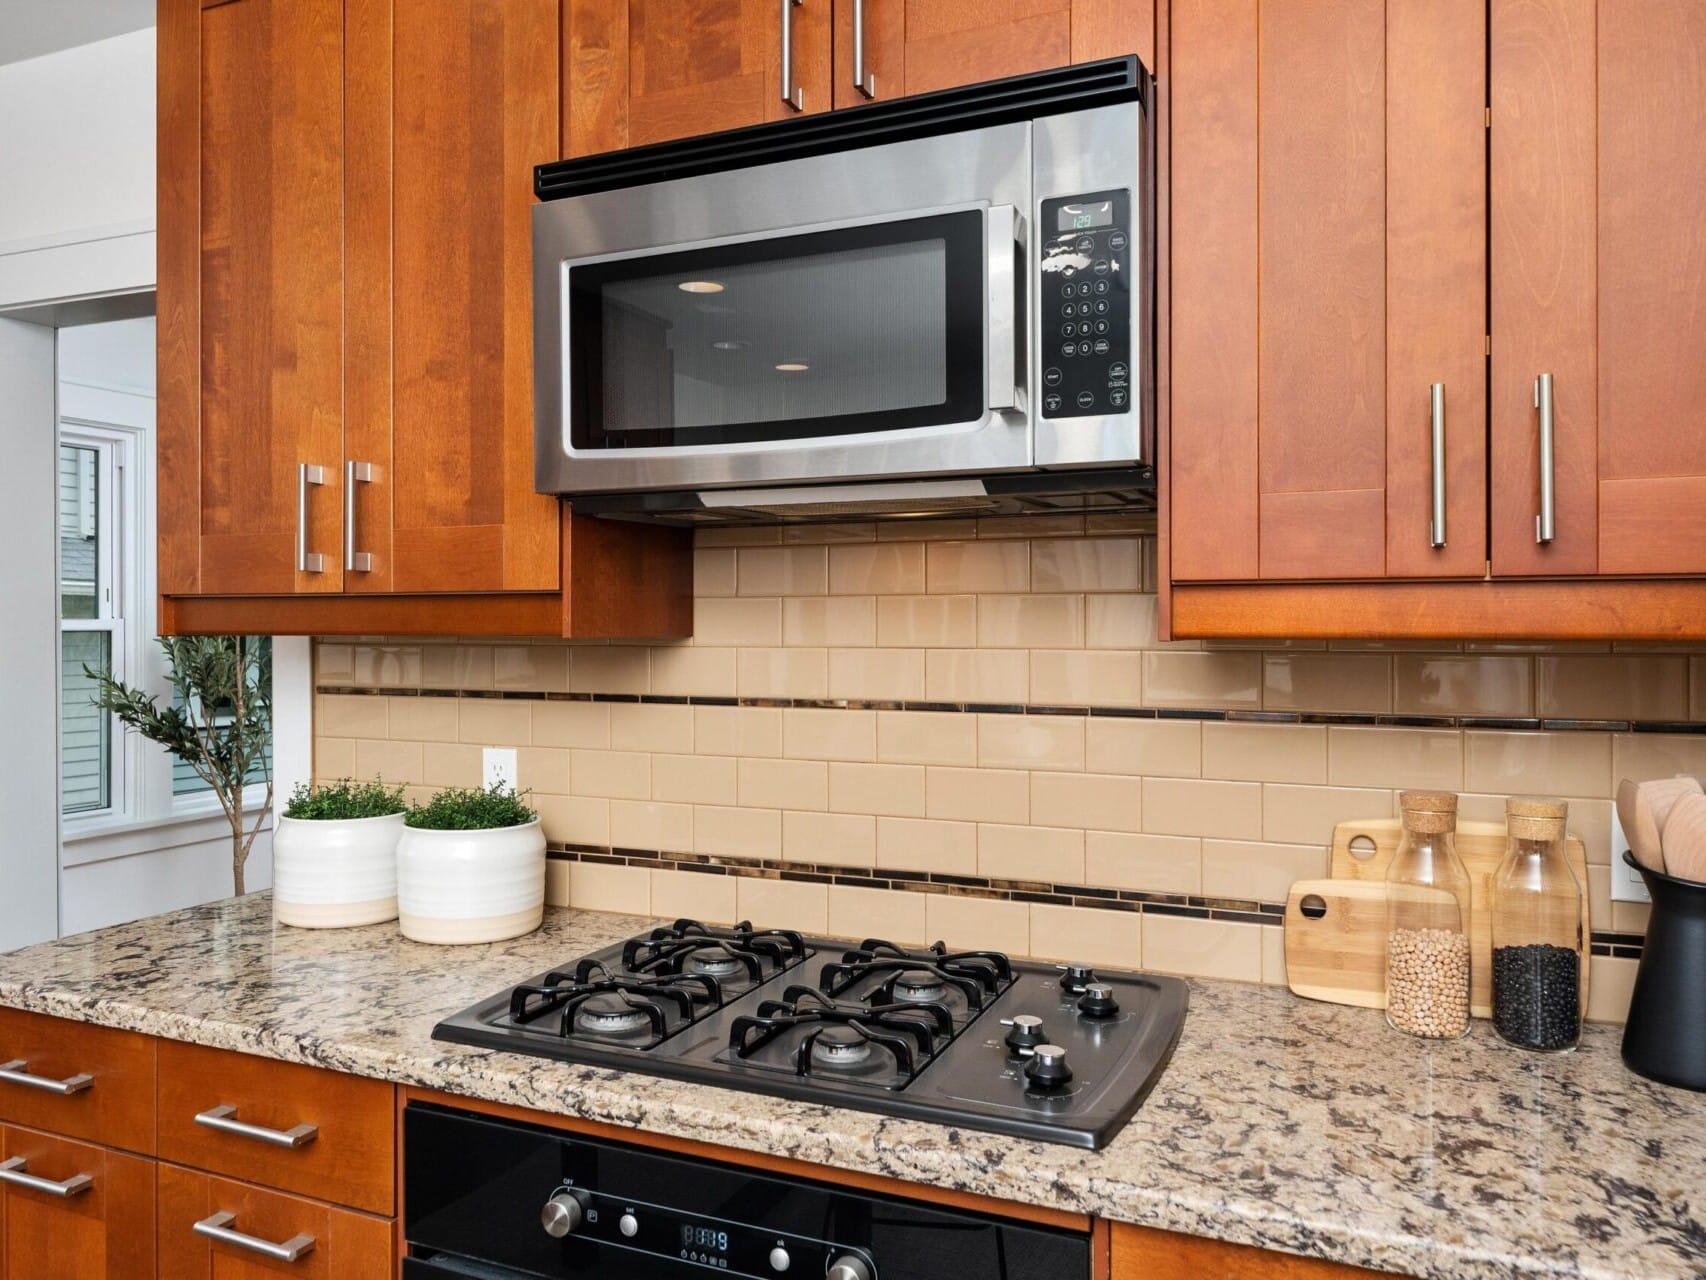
(118, 355)
(77, 171)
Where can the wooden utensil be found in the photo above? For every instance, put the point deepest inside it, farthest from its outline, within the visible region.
(1644, 808)
(1335, 941)
(1685, 839)
(1362, 851)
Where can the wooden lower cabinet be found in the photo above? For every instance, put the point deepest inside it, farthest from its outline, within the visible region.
(1142, 1254)
(346, 1245)
(104, 1229)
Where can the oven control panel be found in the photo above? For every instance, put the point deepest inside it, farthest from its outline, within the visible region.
(1088, 256)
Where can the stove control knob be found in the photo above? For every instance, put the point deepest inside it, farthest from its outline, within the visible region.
(779, 1259)
(1074, 978)
(563, 1213)
(1098, 1001)
(1047, 1067)
(628, 1225)
(1026, 1034)
(850, 1267)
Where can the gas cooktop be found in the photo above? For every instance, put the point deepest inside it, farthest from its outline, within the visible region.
(970, 1038)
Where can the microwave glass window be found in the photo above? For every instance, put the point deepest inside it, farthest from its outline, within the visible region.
(860, 329)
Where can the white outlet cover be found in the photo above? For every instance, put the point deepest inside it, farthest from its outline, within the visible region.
(1626, 882)
(499, 767)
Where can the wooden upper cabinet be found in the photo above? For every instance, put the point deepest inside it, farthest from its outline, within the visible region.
(641, 71)
(1328, 268)
(250, 293)
(450, 107)
(1599, 279)
(915, 46)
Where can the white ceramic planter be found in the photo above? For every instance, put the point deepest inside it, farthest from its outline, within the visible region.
(335, 874)
(471, 886)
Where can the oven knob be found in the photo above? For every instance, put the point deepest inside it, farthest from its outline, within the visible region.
(1098, 1001)
(1026, 1033)
(849, 1267)
(1047, 1067)
(628, 1225)
(779, 1259)
(563, 1213)
(1074, 978)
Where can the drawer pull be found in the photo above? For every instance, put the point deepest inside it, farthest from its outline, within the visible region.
(218, 1227)
(13, 1072)
(225, 1120)
(12, 1172)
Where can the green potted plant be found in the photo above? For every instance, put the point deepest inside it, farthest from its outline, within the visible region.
(471, 867)
(334, 855)
(219, 722)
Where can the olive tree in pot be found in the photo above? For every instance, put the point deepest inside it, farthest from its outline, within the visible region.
(334, 855)
(471, 868)
(219, 722)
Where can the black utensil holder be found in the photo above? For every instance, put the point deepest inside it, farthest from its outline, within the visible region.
(1665, 1037)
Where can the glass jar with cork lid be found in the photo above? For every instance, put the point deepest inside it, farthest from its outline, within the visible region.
(1537, 931)
(1427, 922)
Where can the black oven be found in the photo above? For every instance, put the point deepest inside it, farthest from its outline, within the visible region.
(501, 1200)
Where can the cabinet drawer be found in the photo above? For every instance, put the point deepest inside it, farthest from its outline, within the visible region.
(244, 1230)
(78, 1080)
(83, 1213)
(297, 1128)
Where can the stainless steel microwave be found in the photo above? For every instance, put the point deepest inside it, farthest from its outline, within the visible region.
(938, 303)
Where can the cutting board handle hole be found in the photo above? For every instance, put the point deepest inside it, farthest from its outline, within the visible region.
(1363, 848)
(1312, 905)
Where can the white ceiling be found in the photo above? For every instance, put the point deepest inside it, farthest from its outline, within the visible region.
(30, 28)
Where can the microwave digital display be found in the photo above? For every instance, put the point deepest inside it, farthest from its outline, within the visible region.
(1082, 217)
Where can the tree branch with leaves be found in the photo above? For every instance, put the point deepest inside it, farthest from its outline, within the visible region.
(219, 722)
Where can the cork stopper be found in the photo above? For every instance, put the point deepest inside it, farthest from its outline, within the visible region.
(1429, 812)
(1536, 817)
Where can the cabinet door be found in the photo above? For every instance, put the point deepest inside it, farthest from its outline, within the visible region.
(1143, 1254)
(250, 294)
(915, 46)
(450, 107)
(346, 1245)
(1328, 267)
(642, 71)
(1599, 279)
(101, 1227)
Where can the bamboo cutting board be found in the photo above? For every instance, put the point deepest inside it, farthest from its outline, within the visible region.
(1335, 941)
(1363, 850)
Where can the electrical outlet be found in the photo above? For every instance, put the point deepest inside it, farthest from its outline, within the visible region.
(499, 766)
(1626, 882)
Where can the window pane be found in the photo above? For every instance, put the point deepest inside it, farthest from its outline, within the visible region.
(186, 781)
(86, 731)
(79, 532)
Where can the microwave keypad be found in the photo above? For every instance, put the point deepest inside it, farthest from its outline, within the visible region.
(1087, 257)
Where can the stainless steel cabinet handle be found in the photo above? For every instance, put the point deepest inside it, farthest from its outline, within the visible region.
(792, 94)
(306, 561)
(1436, 525)
(12, 1172)
(1546, 523)
(355, 473)
(863, 81)
(1004, 228)
(13, 1072)
(225, 1120)
(218, 1227)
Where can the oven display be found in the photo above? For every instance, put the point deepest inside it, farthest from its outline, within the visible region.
(704, 1239)
(1081, 217)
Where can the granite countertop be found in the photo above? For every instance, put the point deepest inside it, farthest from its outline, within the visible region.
(1281, 1122)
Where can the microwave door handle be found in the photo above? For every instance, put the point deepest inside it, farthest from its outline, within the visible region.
(1003, 306)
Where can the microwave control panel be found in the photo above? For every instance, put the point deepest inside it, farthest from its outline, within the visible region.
(1088, 256)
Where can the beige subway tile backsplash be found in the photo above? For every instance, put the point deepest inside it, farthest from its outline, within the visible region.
(971, 650)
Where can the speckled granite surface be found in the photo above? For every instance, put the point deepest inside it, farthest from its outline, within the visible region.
(1281, 1122)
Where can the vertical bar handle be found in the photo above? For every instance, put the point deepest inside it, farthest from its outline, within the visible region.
(306, 561)
(355, 473)
(792, 93)
(864, 81)
(1546, 523)
(1003, 303)
(1436, 523)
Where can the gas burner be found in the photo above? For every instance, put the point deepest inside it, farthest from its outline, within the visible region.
(610, 1015)
(719, 963)
(840, 1048)
(919, 986)
(738, 955)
